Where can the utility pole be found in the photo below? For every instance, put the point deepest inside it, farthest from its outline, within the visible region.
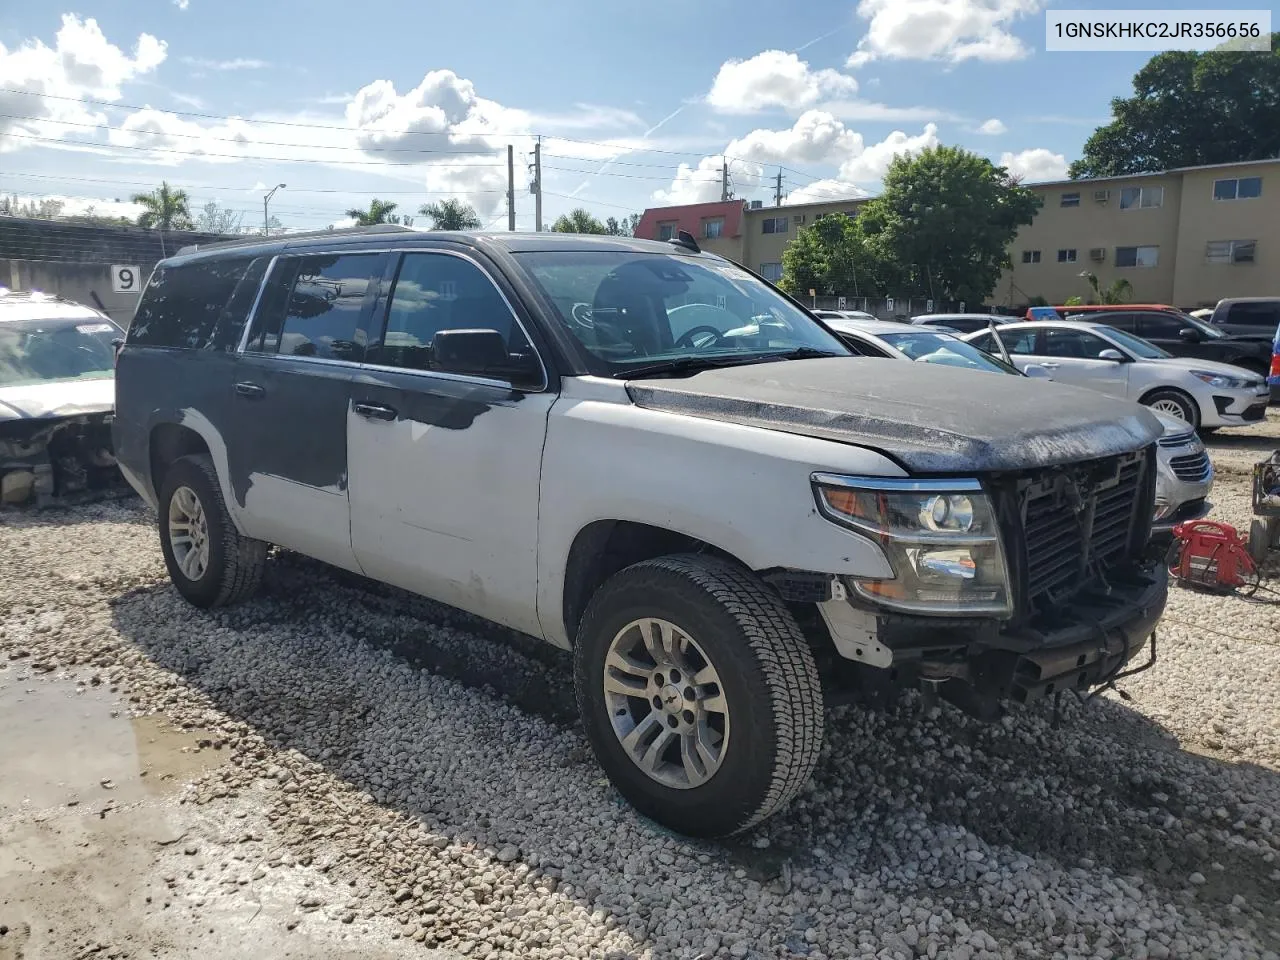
(266, 219)
(777, 190)
(537, 185)
(724, 179)
(511, 187)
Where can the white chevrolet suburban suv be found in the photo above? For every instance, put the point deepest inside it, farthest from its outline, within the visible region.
(647, 455)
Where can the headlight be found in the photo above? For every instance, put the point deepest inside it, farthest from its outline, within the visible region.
(1221, 380)
(940, 536)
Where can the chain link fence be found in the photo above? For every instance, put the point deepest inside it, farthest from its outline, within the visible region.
(895, 308)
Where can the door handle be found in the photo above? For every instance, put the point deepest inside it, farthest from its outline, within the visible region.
(250, 390)
(374, 411)
(1049, 365)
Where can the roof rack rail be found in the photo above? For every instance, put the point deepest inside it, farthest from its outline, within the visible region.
(304, 235)
(685, 239)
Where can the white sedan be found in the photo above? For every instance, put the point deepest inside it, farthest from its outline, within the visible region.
(1201, 392)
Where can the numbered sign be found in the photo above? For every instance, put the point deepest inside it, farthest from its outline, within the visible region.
(840, 301)
(962, 306)
(888, 304)
(125, 278)
(928, 306)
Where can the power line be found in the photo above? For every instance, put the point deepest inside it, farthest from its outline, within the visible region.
(201, 186)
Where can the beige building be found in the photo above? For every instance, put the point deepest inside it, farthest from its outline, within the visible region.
(1185, 237)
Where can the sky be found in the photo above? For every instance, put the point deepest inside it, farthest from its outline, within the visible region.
(637, 105)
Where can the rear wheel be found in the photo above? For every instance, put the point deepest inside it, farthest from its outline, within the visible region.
(1176, 404)
(699, 694)
(209, 562)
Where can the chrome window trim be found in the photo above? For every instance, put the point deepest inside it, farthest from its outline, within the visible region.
(897, 484)
(401, 250)
(253, 310)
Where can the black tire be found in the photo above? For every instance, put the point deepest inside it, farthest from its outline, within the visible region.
(1190, 409)
(768, 676)
(235, 563)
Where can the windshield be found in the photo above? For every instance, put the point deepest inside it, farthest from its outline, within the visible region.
(40, 351)
(1136, 345)
(929, 346)
(631, 310)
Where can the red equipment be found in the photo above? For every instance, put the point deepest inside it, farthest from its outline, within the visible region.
(1212, 555)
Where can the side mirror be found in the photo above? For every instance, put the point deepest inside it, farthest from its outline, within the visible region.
(1036, 372)
(480, 352)
(1189, 334)
(1114, 356)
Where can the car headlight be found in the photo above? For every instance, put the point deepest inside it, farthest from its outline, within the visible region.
(1221, 380)
(940, 537)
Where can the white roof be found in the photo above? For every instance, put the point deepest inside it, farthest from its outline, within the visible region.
(24, 307)
(876, 328)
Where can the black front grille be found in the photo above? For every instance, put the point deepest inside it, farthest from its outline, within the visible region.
(1194, 467)
(1079, 521)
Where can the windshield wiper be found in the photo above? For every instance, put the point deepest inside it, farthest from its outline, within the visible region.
(684, 365)
(801, 353)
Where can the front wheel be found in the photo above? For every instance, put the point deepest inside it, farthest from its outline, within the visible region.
(698, 693)
(1176, 404)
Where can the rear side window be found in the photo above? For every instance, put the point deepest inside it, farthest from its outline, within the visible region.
(231, 321)
(181, 304)
(1255, 314)
(314, 306)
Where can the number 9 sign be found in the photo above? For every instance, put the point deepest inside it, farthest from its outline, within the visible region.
(125, 278)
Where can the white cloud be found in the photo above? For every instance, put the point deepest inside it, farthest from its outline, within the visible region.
(830, 189)
(174, 139)
(774, 79)
(871, 164)
(81, 64)
(699, 184)
(1035, 165)
(182, 4)
(881, 112)
(993, 127)
(816, 137)
(948, 30)
(239, 63)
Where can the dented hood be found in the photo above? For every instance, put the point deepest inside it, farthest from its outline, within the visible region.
(58, 398)
(934, 420)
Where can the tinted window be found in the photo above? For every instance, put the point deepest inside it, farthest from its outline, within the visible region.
(1254, 314)
(39, 351)
(312, 306)
(1121, 321)
(1154, 326)
(1079, 344)
(1021, 342)
(230, 325)
(181, 304)
(434, 292)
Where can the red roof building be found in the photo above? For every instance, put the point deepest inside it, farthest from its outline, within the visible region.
(704, 221)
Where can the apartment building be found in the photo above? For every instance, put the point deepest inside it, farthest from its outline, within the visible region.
(1187, 237)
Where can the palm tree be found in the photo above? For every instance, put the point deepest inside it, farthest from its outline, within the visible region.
(578, 221)
(379, 212)
(164, 209)
(451, 214)
(1119, 292)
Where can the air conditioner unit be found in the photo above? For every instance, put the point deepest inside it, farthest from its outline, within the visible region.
(1101, 196)
(757, 204)
(1098, 254)
(799, 218)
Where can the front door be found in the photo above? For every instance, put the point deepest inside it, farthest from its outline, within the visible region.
(1071, 355)
(291, 390)
(445, 468)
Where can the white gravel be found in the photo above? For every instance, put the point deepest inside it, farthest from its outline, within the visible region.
(430, 768)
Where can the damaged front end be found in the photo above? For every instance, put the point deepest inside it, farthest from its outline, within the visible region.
(48, 461)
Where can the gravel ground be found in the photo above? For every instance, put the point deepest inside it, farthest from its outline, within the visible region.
(383, 775)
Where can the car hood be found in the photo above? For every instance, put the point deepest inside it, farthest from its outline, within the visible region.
(930, 418)
(59, 398)
(1186, 364)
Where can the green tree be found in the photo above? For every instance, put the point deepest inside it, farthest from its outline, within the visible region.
(626, 227)
(215, 218)
(1118, 291)
(34, 209)
(830, 256)
(380, 211)
(578, 220)
(451, 214)
(943, 223)
(1189, 109)
(164, 209)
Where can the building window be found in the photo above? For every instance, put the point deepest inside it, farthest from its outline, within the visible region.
(851, 214)
(1137, 256)
(667, 230)
(1067, 256)
(1230, 251)
(1237, 188)
(1030, 256)
(771, 271)
(1071, 200)
(799, 218)
(711, 229)
(1133, 198)
(774, 225)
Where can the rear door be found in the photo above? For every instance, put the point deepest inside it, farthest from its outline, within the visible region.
(445, 467)
(1165, 331)
(1071, 355)
(288, 454)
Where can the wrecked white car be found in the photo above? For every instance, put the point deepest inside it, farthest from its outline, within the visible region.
(57, 393)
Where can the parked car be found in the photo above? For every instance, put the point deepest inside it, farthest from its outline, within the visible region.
(1185, 473)
(842, 315)
(1203, 393)
(961, 322)
(56, 398)
(1181, 335)
(1257, 317)
(505, 423)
